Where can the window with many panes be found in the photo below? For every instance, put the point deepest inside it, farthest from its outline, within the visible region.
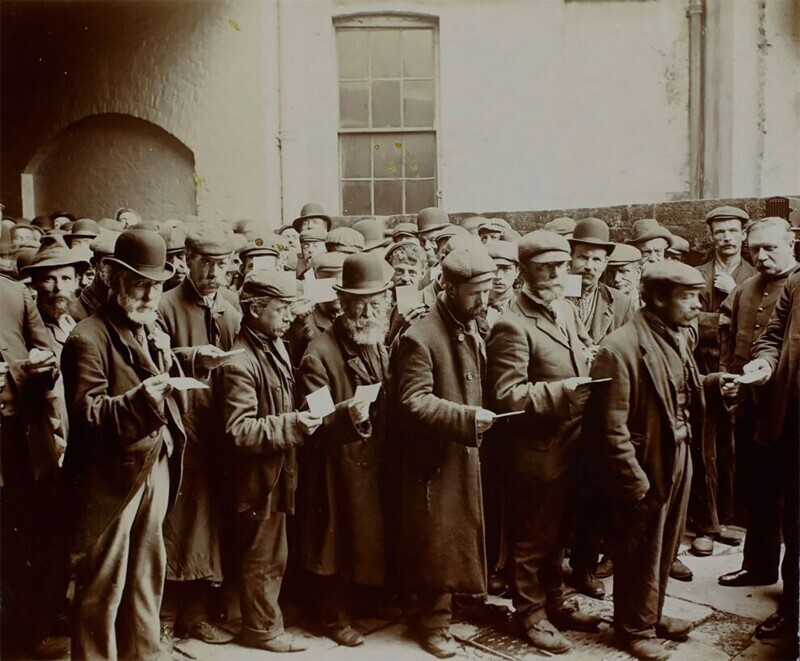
(387, 114)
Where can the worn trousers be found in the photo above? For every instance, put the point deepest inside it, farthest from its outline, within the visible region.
(262, 552)
(645, 538)
(120, 582)
(435, 610)
(538, 512)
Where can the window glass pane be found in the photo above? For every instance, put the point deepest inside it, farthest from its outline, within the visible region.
(420, 151)
(420, 194)
(354, 105)
(356, 198)
(418, 103)
(352, 47)
(418, 53)
(387, 156)
(385, 103)
(355, 157)
(388, 197)
(385, 50)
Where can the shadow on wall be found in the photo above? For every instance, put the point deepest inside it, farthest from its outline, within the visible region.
(103, 162)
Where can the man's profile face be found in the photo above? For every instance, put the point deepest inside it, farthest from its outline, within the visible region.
(681, 307)
(771, 248)
(589, 262)
(470, 300)
(727, 236)
(275, 318)
(653, 250)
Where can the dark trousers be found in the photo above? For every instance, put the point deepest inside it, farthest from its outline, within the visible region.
(703, 515)
(537, 549)
(435, 610)
(493, 476)
(263, 551)
(646, 536)
(120, 582)
(190, 600)
(789, 476)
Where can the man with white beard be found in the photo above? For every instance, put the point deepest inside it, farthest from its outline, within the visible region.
(124, 455)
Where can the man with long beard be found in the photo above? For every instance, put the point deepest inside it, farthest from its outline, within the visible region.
(123, 459)
(537, 361)
(342, 538)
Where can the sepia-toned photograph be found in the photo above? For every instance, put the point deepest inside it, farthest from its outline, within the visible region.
(394, 330)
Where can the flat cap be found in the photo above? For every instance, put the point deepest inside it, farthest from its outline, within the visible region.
(446, 233)
(494, 225)
(541, 246)
(269, 284)
(110, 224)
(505, 250)
(344, 239)
(175, 238)
(404, 230)
(212, 240)
(312, 236)
(104, 243)
(260, 245)
(673, 272)
(466, 266)
(678, 245)
(727, 213)
(328, 263)
(563, 225)
(624, 254)
(472, 223)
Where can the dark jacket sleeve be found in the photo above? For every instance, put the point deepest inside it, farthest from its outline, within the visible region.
(768, 345)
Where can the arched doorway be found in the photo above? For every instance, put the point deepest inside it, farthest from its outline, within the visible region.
(103, 162)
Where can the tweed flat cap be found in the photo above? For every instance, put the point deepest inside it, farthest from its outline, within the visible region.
(727, 213)
(563, 225)
(505, 250)
(541, 246)
(328, 263)
(312, 236)
(344, 239)
(446, 233)
(403, 231)
(269, 284)
(678, 245)
(494, 225)
(260, 245)
(175, 239)
(212, 240)
(677, 273)
(465, 266)
(624, 254)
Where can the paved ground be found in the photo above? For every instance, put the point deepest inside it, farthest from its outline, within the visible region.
(724, 619)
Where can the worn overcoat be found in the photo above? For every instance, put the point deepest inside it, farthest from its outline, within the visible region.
(613, 309)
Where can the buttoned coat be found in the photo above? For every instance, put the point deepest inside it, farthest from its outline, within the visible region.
(116, 434)
(441, 371)
(341, 522)
(529, 358)
(613, 309)
(193, 528)
(261, 424)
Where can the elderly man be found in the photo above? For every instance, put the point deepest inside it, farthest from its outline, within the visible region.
(651, 239)
(623, 271)
(312, 217)
(643, 420)
(776, 359)
(265, 431)
(202, 326)
(537, 364)
(124, 455)
(96, 294)
(342, 530)
(770, 241)
(441, 362)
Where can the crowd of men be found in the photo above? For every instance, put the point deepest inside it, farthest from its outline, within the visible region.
(187, 406)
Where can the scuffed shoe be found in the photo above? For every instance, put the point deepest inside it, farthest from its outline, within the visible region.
(680, 572)
(605, 568)
(645, 649)
(673, 628)
(347, 636)
(282, 643)
(544, 636)
(569, 616)
(702, 545)
(209, 633)
(440, 643)
(776, 625)
(730, 536)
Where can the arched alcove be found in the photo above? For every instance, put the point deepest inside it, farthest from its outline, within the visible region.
(103, 162)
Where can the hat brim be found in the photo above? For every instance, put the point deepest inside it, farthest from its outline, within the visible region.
(369, 288)
(158, 275)
(648, 236)
(53, 264)
(81, 235)
(597, 243)
(297, 222)
(429, 230)
(384, 243)
(549, 257)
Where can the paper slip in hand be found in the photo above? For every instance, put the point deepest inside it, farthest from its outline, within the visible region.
(232, 352)
(309, 275)
(593, 381)
(750, 377)
(263, 262)
(186, 383)
(572, 285)
(508, 415)
(320, 291)
(320, 402)
(367, 393)
(408, 298)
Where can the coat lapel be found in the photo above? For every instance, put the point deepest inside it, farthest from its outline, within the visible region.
(138, 356)
(543, 323)
(660, 378)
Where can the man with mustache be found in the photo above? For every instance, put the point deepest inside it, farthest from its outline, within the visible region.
(642, 423)
(623, 271)
(202, 326)
(537, 363)
(124, 456)
(342, 525)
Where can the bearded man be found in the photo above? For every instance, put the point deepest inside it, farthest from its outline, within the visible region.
(623, 271)
(123, 459)
(342, 528)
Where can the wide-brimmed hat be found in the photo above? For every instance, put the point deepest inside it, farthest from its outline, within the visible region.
(143, 252)
(372, 231)
(646, 229)
(54, 253)
(311, 210)
(431, 219)
(592, 231)
(364, 274)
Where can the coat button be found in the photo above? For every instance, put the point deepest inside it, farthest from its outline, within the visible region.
(757, 326)
(461, 337)
(469, 376)
(760, 309)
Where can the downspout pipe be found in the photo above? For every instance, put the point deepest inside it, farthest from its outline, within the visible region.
(696, 12)
(279, 31)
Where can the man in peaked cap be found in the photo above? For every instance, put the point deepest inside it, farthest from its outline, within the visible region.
(405, 232)
(440, 364)
(261, 421)
(95, 294)
(202, 325)
(345, 240)
(312, 217)
(117, 366)
(259, 254)
(342, 526)
(651, 239)
(506, 258)
(537, 362)
(312, 242)
(679, 248)
(493, 229)
(642, 422)
(624, 269)
(175, 238)
(563, 226)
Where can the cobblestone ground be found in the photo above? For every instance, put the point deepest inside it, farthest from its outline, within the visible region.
(724, 621)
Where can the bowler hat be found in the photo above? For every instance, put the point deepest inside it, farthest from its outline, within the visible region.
(563, 225)
(465, 265)
(646, 229)
(143, 252)
(43, 222)
(592, 231)
(62, 214)
(53, 253)
(431, 219)
(84, 228)
(363, 274)
(727, 213)
(676, 273)
(542, 247)
(623, 254)
(372, 231)
(311, 210)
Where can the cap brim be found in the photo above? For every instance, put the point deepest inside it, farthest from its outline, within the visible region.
(549, 256)
(647, 236)
(608, 245)
(159, 275)
(53, 264)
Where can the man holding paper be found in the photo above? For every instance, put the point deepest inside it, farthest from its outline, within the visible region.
(342, 529)
(259, 412)
(537, 363)
(202, 326)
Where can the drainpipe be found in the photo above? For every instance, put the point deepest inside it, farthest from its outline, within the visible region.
(696, 14)
(279, 30)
